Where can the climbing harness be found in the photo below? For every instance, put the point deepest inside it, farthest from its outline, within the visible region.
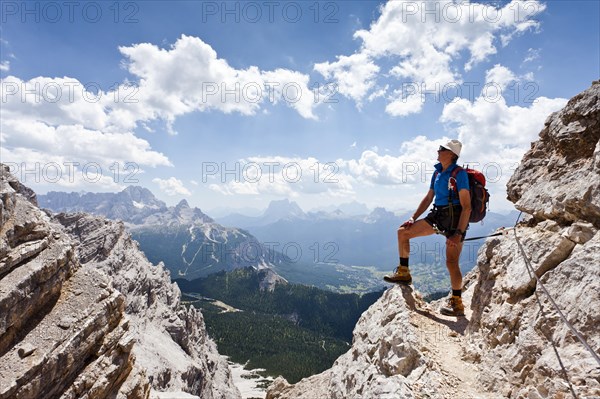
(503, 232)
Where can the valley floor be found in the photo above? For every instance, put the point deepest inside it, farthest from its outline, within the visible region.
(250, 383)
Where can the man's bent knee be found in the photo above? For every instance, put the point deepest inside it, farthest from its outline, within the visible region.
(403, 235)
(407, 233)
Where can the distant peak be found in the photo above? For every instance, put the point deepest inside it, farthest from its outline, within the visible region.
(377, 214)
(283, 204)
(134, 189)
(182, 204)
(139, 194)
(380, 211)
(284, 209)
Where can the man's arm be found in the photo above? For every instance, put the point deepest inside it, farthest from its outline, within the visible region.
(465, 203)
(425, 202)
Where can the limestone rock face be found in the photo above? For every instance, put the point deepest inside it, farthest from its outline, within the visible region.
(508, 333)
(558, 183)
(171, 342)
(83, 314)
(60, 322)
(16, 186)
(397, 352)
(559, 177)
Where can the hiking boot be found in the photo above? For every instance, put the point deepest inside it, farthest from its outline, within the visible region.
(401, 275)
(454, 307)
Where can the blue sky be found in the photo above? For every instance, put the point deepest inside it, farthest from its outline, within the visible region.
(99, 95)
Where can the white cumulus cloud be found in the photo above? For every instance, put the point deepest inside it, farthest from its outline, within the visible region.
(189, 76)
(500, 76)
(48, 117)
(171, 186)
(285, 176)
(426, 41)
(354, 74)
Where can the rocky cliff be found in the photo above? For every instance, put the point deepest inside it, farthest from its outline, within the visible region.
(559, 178)
(83, 314)
(558, 183)
(503, 348)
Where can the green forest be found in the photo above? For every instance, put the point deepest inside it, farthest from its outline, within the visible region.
(294, 330)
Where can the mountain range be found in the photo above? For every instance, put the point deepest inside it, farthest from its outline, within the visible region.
(331, 250)
(136, 206)
(365, 240)
(289, 210)
(187, 241)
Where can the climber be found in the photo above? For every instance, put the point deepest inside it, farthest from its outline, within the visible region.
(449, 216)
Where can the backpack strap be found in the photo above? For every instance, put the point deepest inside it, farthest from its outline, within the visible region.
(435, 174)
(453, 187)
(455, 171)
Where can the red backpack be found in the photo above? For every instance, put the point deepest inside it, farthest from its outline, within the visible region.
(480, 197)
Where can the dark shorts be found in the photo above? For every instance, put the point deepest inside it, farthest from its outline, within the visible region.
(444, 219)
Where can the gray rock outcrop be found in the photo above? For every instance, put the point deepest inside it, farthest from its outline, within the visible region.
(503, 348)
(401, 349)
(558, 183)
(59, 323)
(83, 314)
(172, 344)
(559, 177)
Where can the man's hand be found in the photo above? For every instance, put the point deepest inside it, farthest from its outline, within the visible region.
(408, 223)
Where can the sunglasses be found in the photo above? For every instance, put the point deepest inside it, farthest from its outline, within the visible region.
(442, 149)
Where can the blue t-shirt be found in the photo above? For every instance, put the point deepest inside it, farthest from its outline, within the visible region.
(439, 184)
